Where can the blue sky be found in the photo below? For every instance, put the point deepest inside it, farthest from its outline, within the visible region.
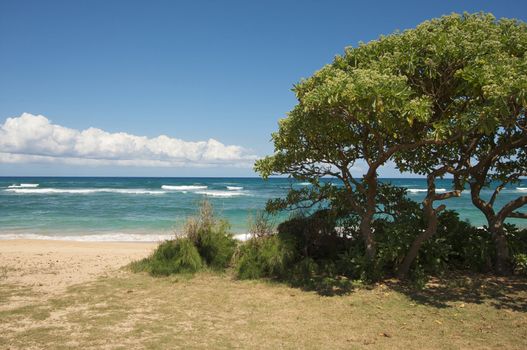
(191, 70)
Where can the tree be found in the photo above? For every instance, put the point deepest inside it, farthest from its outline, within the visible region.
(472, 68)
(500, 159)
(347, 114)
(412, 97)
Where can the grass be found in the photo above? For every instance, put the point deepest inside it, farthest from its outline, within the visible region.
(208, 310)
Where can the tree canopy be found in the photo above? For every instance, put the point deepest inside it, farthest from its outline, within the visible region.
(424, 98)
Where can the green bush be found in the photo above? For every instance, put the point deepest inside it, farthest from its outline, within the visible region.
(170, 257)
(304, 272)
(211, 237)
(456, 244)
(517, 239)
(269, 256)
(519, 262)
(315, 235)
(216, 245)
(470, 248)
(354, 264)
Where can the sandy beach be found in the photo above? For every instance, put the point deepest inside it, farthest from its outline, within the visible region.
(49, 267)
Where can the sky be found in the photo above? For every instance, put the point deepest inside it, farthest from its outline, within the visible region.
(173, 88)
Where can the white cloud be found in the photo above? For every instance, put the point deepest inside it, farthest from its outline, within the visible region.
(33, 138)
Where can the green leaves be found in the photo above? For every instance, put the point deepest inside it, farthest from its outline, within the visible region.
(416, 97)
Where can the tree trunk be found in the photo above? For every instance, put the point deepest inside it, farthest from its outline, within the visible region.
(369, 242)
(502, 263)
(431, 229)
(431, 216)
(367, 218)
(495, 224)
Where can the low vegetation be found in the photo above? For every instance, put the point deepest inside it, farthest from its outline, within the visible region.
(205, 242)
(170, 257)
(322, 252)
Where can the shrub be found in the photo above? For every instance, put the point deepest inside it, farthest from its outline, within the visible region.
(269, 256)
(456, 244)
(470, 248)
(519, 262)
(354, 264)
(215, 245)
(316, 235)
(170, 257)
(517, 239)
(204, 220)
(303, 273)
(260, 224)
(210, 236)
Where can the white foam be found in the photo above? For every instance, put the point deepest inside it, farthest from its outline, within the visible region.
(82, 190)
(416, 190)
(303, 183)
(420, 190)
(219, 193)
(184, 187)
(522, 189)
(234, 188)
(100, 237)
(242, 237)
(23, 186)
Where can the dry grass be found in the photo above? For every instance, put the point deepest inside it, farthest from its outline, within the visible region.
(211, 311)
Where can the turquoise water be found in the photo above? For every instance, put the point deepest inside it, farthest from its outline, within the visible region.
(152, 208)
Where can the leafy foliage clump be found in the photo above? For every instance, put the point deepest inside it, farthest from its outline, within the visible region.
(205, 241)
(327, 246)
(211, 237)
(520, 264)
(171, 257)
(216, 245)
(268, 256)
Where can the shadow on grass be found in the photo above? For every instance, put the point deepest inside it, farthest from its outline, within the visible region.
(508, 293)
(325, 285)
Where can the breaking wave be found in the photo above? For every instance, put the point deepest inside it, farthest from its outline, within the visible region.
(219, 193)
(183, 187)
(421, 190)
(23, 186)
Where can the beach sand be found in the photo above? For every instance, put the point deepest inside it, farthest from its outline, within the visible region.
(49, 267)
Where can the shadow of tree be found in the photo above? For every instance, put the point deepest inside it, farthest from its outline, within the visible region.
(324, 285)
(508, 293)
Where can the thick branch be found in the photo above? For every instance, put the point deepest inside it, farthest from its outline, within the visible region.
(497, 191)
(512, 206)
(518, 215)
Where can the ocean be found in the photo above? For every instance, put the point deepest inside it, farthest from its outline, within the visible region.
(151, 209)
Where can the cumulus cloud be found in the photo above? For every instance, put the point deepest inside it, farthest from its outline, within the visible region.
(33, 138)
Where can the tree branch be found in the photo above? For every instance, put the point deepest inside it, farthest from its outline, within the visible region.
(518, 215)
